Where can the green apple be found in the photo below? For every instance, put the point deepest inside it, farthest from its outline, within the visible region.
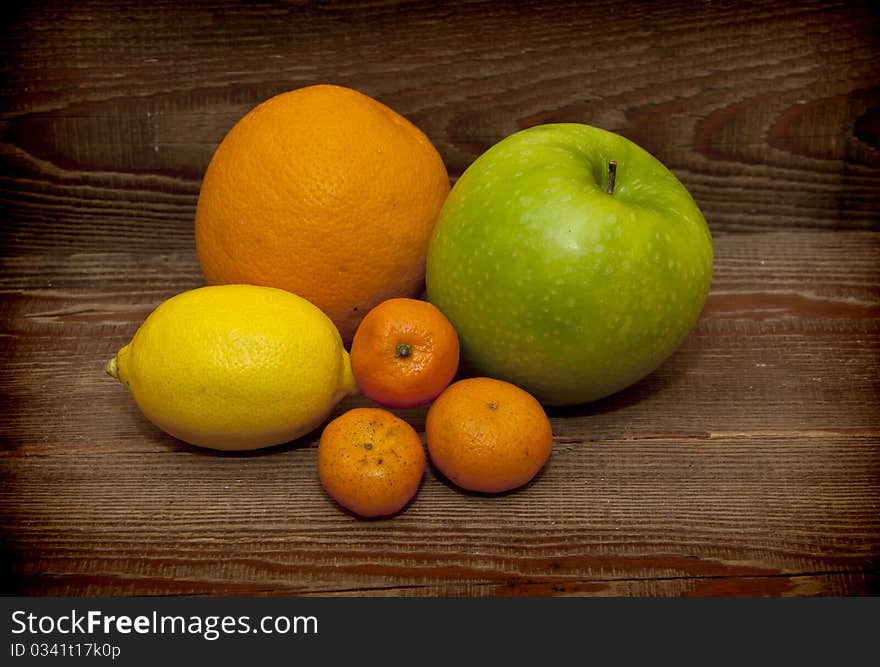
(570, 261)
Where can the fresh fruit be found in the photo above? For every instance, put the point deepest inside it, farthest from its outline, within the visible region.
(235, 367)
(570, 261)
(370, 461)
(488, 435)
(327, 193)
(404, 353)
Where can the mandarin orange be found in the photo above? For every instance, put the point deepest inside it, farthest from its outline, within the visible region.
(405, 352)
(488, 435)
(370, 461)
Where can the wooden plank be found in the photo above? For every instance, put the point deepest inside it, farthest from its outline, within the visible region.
(780, 515)
(766, 111)
(749, 464)
(788, 340)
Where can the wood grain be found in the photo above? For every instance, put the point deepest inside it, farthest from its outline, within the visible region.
(599, 519)
(767, 111)
(748, 464)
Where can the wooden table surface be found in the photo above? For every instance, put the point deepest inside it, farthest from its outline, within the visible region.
(748, 464)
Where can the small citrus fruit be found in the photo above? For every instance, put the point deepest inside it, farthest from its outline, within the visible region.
(488, 435)
(327, 193)
(235, 367)
(370, 461)
(404, 353)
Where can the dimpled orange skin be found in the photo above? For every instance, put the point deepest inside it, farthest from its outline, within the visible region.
(327, 193)
(488, 435)
(370, 461)
(405, 352)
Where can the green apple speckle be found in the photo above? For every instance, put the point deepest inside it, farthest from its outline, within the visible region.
(558, 286)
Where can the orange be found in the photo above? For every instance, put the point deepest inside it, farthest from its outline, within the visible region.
(404, 353)
(488, 435)
(327, 193)
(370, 461)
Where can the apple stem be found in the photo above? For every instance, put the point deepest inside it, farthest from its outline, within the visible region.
(612, 175)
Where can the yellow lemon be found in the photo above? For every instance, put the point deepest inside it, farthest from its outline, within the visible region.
(236, 367)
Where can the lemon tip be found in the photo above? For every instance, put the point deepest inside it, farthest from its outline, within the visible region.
(348, 385)
(112, 368)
